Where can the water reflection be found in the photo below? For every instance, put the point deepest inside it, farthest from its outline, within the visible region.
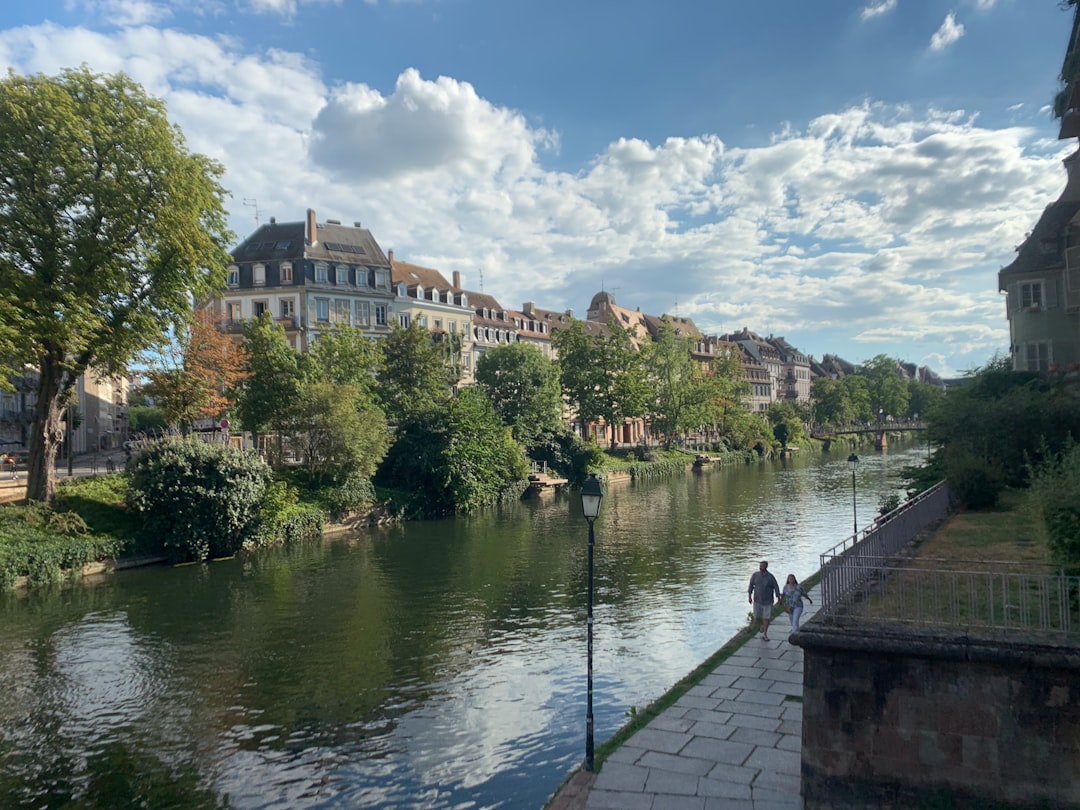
(431, 665)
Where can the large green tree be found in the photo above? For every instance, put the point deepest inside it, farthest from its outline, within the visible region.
(523, 386)
(344, 355)
(679, 391)
(271, 385)
(109, 228)
(413, 377)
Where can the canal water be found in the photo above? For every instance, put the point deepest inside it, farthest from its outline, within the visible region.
(429, 665)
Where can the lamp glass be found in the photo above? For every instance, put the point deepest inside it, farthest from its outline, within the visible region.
(591, 494)
(853, 462)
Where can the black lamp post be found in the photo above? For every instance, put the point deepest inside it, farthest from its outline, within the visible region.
(853, 463)
(591, 494)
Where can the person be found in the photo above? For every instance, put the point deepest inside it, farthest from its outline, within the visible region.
(793, 596)
(763, 586)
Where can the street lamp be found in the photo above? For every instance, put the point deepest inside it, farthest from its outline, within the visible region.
(591, 494)
(853, 463)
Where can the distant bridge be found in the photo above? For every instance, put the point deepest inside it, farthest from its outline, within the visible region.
(880, 430)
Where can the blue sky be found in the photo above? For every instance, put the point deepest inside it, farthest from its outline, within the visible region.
(849, 175)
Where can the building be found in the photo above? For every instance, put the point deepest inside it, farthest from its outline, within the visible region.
(309, 276)
(426, 297)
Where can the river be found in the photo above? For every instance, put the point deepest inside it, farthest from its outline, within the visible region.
(437, 664)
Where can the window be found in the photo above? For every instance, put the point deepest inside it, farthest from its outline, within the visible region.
(288, 308)
(341, 312)
(380, 279)
(453, 326)
(422, 319)
(321, 271)
(361, 277)
(286, 273)
(363, 313)
(232, 311)
(234, 276)
(1031, 294)
(341, 274)
(1037, 356)
(438, 323)
(322, 310)
(403, 319)
(258, 308)
(380, 314)
(259, 271)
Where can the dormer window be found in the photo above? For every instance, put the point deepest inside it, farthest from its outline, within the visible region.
(322, 271)
(234, 276)
(259, 274)
(286, 272)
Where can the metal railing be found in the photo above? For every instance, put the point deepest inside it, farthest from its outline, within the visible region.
(846, 565)
(866, 577)
(926, 594)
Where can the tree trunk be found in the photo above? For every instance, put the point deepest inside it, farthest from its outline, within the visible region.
(46, 434)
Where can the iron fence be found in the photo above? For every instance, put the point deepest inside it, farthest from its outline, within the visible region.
(866, 577)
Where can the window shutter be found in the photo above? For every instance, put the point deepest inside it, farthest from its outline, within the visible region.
(1051, 291)
(1012, 297)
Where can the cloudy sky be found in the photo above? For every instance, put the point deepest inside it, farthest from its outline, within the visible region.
(849, 175)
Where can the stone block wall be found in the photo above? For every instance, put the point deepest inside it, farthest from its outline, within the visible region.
(899, 720)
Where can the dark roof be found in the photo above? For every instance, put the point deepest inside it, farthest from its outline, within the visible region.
(284, 241)
(1044, 248)
(413, 274)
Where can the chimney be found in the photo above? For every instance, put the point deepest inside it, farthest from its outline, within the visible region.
(357, 225)
(273, 220)
(390, 255)
(457, 279)
(311, 228)
(529, 308)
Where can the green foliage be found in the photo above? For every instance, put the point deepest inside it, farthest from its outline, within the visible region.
(344, 355)
(109, 228)
(145, 418)
(413, 378)
(335, 432)
(455, 459)
(999, 419)
(567, 454)
(41, 543)
(523, 386)
(975, 481)
(1053, 502)
(272, 384)
(350, 495)
(888, 503)
(197, 500)
(284, 520)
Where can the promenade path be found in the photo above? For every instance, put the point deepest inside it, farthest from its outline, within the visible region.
(732, 742)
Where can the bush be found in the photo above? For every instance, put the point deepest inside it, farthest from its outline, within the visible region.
(1053, 502)
(198, 500)
(351, 494)
(283, 520)
(34, 543)
(974, 483)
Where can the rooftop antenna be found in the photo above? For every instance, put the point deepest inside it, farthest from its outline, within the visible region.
(480, 271)
(251, 202)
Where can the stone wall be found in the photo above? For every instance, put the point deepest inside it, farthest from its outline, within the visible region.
(894, 719)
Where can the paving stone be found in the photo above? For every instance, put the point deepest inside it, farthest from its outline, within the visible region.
(722, 788)
(735, 774)
(769, 759)
(670, 742)
(718, 750)
(728, 804)
(620, 776)
(755, 737)
(617, 800)
(676, 764)
(719, 731)
(675, 784)
(754, 684)
(668, 802)
(626, 754)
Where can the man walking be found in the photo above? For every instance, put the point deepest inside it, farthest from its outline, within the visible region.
(762, 592)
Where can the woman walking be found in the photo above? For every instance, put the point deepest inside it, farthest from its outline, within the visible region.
(793, 596)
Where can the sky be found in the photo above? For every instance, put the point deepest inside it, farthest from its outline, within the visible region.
(847, 175)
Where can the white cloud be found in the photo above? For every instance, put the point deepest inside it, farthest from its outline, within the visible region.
(123, 12)
(949, 32)
(868, 216)
(877, 9)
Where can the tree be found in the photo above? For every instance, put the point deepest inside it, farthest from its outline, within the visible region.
(676, 383)
(603, 377)
(725, 410)
(413, 376)
(195, 378)
(523, 386)
(109, 228)
(888, 391)
(337, 431)
(455, 458)
(272, 382)
(832, 401)
(344, 355)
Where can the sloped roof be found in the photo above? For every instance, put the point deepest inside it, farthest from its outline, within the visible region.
(284, 241)
(411, 274)
(1043, 249)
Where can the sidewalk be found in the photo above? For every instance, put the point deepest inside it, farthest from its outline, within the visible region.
(733, 742)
